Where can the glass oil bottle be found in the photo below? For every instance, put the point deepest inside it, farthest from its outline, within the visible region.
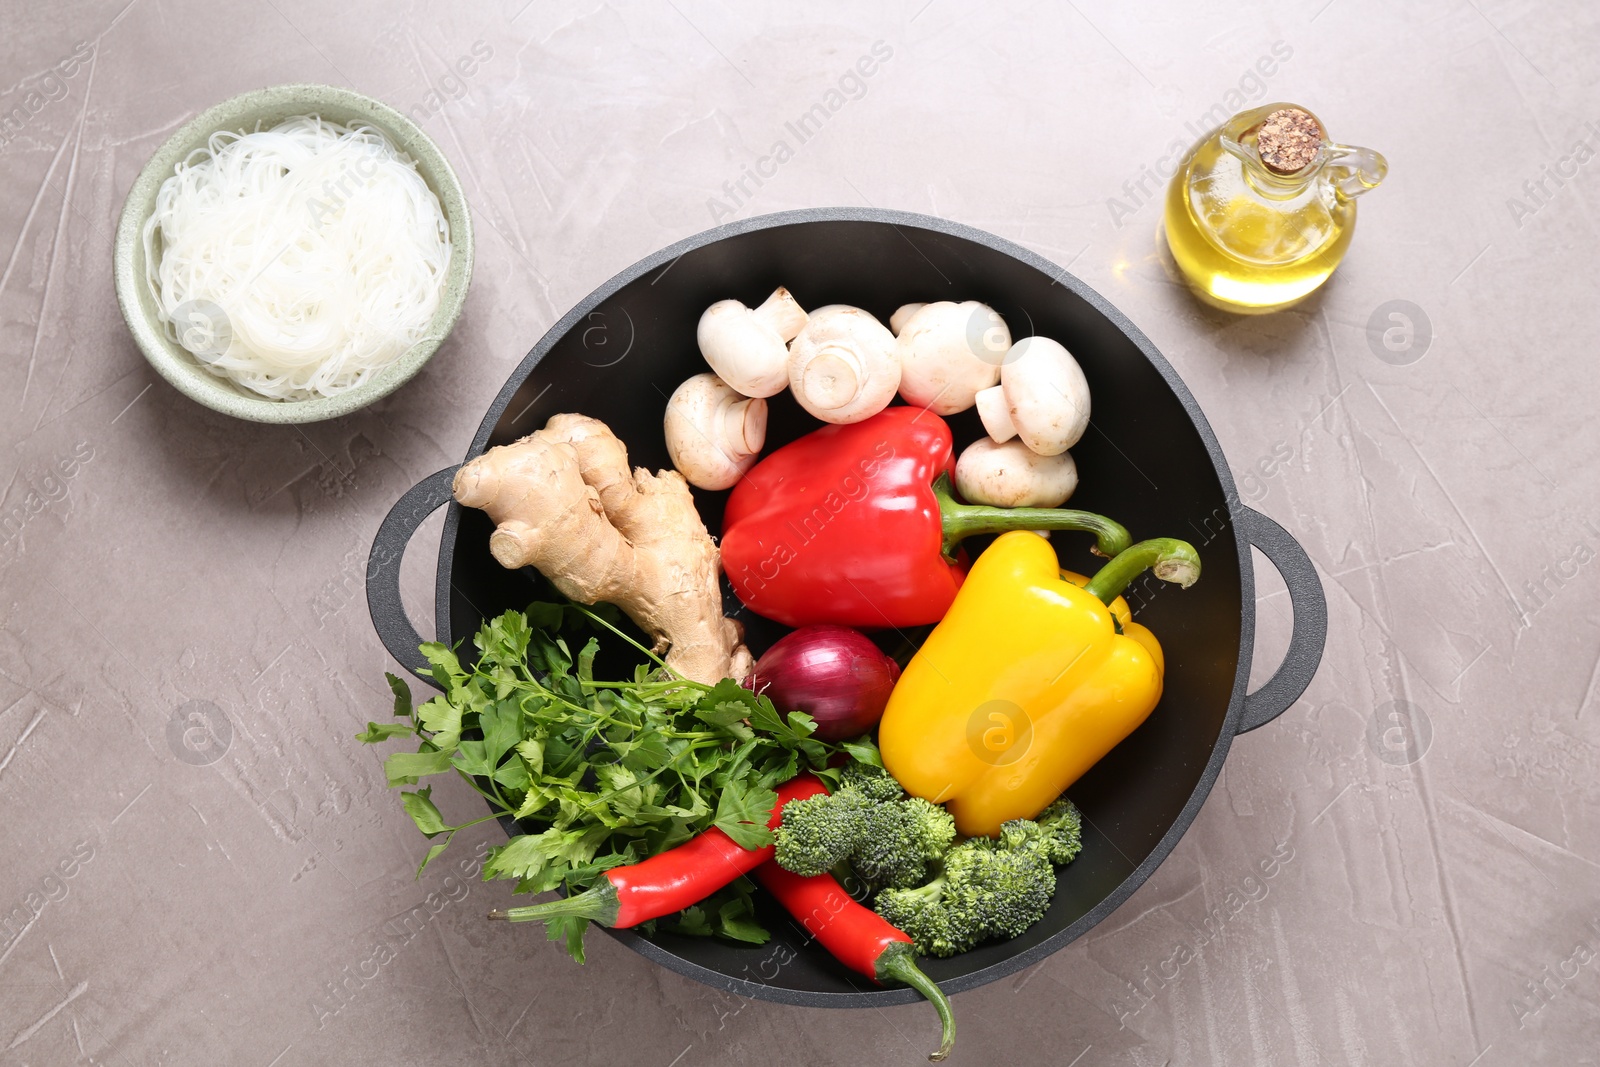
(1262, 210)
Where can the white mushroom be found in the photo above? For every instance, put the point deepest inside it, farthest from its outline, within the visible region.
(747, 347)
(1011, 475)
(842, 365)
(714, 434)
(1042, 397)
(902, 314)
(948, 352)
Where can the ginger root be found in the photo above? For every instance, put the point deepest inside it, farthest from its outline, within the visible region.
(565, 501)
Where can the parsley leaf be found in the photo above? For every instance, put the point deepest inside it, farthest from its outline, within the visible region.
(570, 929)
(737, 919)
(692, 921)
(727, 716)
(423, 812)
(442, 719)
(432, 855)
(382, 731)
(501, 723)
(404, 768)
(446, 666)
(863, 751)
(743, 812)
(402, 696)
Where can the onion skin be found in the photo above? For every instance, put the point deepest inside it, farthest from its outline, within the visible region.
(832, 673)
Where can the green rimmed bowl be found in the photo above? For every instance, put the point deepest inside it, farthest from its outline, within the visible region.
(268, 107)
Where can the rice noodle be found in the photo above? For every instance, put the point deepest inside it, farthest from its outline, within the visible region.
(297, 261)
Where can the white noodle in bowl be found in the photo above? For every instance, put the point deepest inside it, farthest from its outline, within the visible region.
(297, 261)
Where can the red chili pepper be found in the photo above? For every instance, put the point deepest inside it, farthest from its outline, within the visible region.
(857, 936)
(856, 525)
(670, 881)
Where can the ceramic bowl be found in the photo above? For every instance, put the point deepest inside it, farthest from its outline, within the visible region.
(265, 108)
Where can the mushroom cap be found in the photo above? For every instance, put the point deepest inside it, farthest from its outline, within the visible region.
(949, 352)
(842, 365)
(714, 434)
(1011, 475)
(744, 349)
(1045, 397)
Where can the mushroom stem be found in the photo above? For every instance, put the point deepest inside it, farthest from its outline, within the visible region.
(782, 313)
(748, 348)
(713, 432)
(902, 315)
(1172, 559)
(1043, 398)
(995, 414)
(964, 520)
(830, 380)
(842, 365)
(746, 422)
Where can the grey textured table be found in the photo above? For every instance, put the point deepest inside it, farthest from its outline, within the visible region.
(1428, 810)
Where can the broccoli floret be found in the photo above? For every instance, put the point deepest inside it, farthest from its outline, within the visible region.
(873, 782)
(889, 839)
(988, 888)
(1062, 838)
(819, 832)
(919, 913)
(1007, 890)
(1055, 833)
(985, 890)
(899, 839)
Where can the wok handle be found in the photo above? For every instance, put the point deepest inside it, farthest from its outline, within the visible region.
(383, 569)
(1310, 620)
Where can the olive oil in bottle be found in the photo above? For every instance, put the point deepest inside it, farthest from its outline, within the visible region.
(1262, 210)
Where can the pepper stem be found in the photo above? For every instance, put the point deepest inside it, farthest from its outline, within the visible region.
(963, 520)
(1173, 561)
(597, 904)
(899, 962)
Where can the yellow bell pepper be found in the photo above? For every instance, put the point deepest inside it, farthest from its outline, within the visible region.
(1027, 682)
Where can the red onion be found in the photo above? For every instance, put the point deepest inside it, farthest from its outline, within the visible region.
(832, 673)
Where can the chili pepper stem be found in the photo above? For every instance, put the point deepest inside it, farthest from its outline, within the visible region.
(1172, 560)
(964, 520)
(599, 903)
(900, 963)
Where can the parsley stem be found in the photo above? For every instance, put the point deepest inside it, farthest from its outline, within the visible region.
(668, 685)
(552, 694)
(659, 661)
(496, 799)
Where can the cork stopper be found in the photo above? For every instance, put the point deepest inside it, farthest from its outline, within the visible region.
(1288, 140)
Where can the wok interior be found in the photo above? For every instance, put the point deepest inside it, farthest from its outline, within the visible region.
(1143, 462)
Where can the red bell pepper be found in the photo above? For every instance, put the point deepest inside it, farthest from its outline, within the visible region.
(857, 525)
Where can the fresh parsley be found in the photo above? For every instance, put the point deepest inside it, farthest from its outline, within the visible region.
(596, 773)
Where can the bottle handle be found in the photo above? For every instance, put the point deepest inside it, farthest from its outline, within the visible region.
(1354, 170)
